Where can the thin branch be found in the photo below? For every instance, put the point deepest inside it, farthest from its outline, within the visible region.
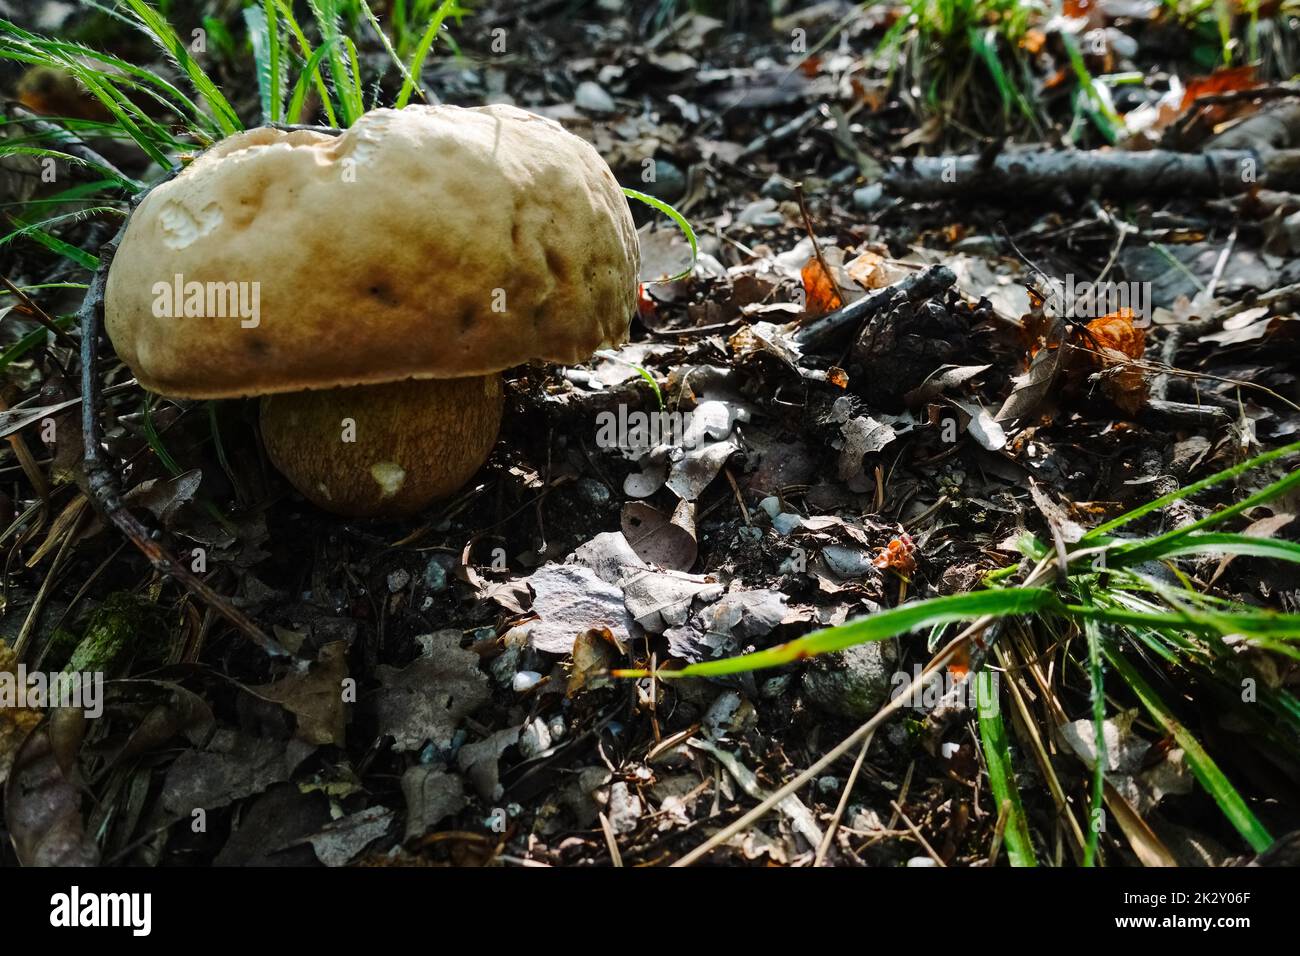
(103, 487)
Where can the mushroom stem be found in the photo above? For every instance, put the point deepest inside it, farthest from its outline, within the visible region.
(371, 451)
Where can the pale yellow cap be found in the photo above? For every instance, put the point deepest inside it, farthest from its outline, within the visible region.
(429, 242)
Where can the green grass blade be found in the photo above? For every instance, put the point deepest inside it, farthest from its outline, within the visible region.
(354, 76)
(313, 59)
(985, 44)
(682, 224)
(1218, 478)
(875, 627)
(155, 441)
(1206, 770)
(1097, 694)
(220, 37)
(37, 232)
(1002, 779)
(31, 340)
(1276, 489)
(265, 61)
(383, 39)
(310, 73)
(325, 13)
(1248, 622)
(11, 147)
(1103, 116)
(122, 109)
(1212, 543)
(410, 83)
(170, 42)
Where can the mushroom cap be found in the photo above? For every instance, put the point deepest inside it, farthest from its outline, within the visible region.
(429, 242)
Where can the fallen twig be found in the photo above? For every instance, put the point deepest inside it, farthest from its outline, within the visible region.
(916, 287)
(1220, 172)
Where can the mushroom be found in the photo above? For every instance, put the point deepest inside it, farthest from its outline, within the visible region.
(371, 286)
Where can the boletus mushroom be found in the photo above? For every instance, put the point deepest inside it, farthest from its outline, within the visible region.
(372, 285)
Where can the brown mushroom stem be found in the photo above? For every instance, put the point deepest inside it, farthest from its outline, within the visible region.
(388, 450)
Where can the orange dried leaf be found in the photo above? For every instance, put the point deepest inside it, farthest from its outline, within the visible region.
(1227, 80)
(1059, 78)
(1037, 329)
(959, 666)
(1117, 332)
(646, 307)
(1033, 41)
(819, 289)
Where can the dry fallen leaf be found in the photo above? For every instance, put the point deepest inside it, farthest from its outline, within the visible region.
(15, 722)
(1109, 341)
(820, 294)
(1227, 80)
(315, 696)
(1116, 331)
(427, 699)
(593, 653)
(659, 539)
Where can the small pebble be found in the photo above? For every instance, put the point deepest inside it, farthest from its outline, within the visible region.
(848, 562)
(668, 184)
(398, 580)
(557, 727)
(778, 187)
(786, 522)
(525, 681)
(593, 491)
(504, 665)
(868, 197)
(592, 97)
(435, 576)
(534, 739)
(761, 212)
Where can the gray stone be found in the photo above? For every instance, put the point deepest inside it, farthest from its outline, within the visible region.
(593, 98)
(868, 197)
(535, 739)
(668, 184)
(852, 683)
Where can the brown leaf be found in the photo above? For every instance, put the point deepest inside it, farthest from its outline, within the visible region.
(1116, 331)
(820, 294)
(15, 722)
(1227, 80)
(43, 809)
(315, 697)
(658, 539)
(593, 653)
